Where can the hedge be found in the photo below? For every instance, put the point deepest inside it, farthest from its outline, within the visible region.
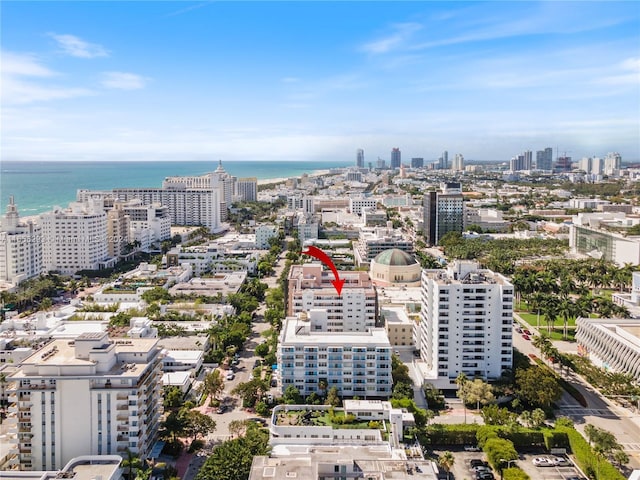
(461, 434)
(554, 439)
(587, 460)
(498, 450)
(514, 474)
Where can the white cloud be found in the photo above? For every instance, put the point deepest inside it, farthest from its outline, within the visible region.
(76, 47)
(290, 80)
(23, 64)
(628, 74)
(17, 90)
(123, 80)
(403, 31)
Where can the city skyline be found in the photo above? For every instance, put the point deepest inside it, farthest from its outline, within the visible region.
(312, 81)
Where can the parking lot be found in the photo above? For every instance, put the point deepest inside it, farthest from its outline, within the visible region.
(461, 468)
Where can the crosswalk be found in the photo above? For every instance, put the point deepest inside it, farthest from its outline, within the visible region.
(630, 447)
(571, 411)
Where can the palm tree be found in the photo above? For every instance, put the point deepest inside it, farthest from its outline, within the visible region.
(446, 461)
(461, 381)
(542, 343)
(131, 463)
(550, 313)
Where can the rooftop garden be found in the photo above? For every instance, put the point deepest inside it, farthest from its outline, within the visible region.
(325, 418)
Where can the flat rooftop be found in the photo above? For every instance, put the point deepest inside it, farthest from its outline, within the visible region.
(292, 329)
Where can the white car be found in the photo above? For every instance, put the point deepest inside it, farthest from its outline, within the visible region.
(471, 448)
(543, 462)
(559, 461)
(231, 376)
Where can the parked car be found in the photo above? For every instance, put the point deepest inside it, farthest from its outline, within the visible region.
(526, 337)
(231, 376)
(484, 476)
(527, 332)
(518, 329)
(259, 420)
(543, 462)
(476, 463)
(560, 461)
(222, 409)
(471, 448)
(480, 468)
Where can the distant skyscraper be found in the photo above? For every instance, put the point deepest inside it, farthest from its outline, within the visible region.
(381, 164)
(564, 164)
(445, 160)
(360, 158)
(544, 159)
(458, 162)
(395, 158)
(521, 162)
(612, 162)
(247, 189)
(417, 162)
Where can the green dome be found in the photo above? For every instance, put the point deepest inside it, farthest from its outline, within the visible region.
(395, 258)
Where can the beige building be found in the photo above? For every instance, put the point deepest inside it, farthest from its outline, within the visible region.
(309, 287)
(398, 325)
(88, 396)
(395, 267)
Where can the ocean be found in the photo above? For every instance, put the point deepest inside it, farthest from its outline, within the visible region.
(40, 186)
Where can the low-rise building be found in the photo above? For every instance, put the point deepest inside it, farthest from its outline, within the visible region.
(398, 325)
(373, 241)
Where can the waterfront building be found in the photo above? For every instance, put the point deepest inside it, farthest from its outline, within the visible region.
(613, 344)
(465, 323)
(75, 238)
(360, 158)
(20, 247)
(314, 359)
(247, 189)
(396, 158)
(117, 231)
(355, 310)
(443, 212)
(89, 396)
(148, 224)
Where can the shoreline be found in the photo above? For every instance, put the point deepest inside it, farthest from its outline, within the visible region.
(269, 181)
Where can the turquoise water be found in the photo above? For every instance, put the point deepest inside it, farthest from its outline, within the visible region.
(39, 186)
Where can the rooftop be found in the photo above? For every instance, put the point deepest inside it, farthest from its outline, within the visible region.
(395, 257)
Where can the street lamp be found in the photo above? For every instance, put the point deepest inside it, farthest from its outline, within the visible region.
(504, 460)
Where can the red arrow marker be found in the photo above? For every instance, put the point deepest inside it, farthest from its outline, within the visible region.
(324, 258)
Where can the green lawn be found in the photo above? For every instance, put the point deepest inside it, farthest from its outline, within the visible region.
(532, 319)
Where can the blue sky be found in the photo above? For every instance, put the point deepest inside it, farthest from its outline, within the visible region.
(318, 80)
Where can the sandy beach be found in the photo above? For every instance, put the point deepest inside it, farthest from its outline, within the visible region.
(267, 181)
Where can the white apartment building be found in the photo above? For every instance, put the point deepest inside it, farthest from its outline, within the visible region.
(465, 323)
(190, 200)
(148, 224)
(357, 363)
(90, 396)
(264, 233)
(373, 241)
(310, 288)
(247, 189)
(75, 238)
(20, 247)
(308, 228)
(357, 204)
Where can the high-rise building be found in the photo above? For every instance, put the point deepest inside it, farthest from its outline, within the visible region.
(544, 159)
(458, 162)
(75, 238)
(20, 247)
(360, 158)
(117, 230)
(314, 359)
(396, 159)
(465, 323)
(612, 163)
(443, 212)
(247, 189)
(417, 162)
(523, 161)
(564, 164)
(310, 288)
(148, 224)
(90, 396)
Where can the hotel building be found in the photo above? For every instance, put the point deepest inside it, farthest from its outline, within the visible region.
(20, 247)
(75, 238)
(443, 212)
(89, 396)
(247, 189)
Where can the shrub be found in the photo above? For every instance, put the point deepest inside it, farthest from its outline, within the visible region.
(439, 434)
(554, 438)
(498, 450)
(514, 474)
(586, 458)
(485, 433)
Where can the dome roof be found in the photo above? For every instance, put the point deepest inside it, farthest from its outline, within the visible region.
(395, 258)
